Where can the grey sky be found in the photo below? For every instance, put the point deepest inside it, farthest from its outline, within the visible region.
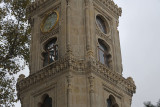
(139, 29)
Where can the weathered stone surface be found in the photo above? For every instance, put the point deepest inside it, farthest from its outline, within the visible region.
(77, 78)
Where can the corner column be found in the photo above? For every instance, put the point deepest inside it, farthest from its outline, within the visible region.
(68, 11)
(91, 90)
(69, 91)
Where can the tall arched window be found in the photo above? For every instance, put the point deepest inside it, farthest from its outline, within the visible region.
(47, 102)
(103, 53)
(51, 52)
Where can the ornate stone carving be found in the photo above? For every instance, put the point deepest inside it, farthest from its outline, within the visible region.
(130, 79)
(111, 76)
(21, 77)
(36, 4)
(91, 81)
(77, 66)
(110, 5)
(104, 36)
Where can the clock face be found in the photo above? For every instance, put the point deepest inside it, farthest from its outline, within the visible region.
(49, 22)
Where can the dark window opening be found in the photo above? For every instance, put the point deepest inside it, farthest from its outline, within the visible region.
(47, 102)
(111, 102)
(51, 52)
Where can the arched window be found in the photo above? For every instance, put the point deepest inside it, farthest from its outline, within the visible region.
(47, 102)
(101, 24)
(103, 53)
(51, 52)
(111, 102)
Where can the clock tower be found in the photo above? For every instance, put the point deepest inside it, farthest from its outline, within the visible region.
(75, 57)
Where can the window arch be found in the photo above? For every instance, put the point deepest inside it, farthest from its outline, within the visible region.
(102, 24)
(103, 53)
(51, 52)
(111, 102)
(47, 102)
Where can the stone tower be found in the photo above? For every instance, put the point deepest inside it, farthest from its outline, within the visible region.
(75, 56)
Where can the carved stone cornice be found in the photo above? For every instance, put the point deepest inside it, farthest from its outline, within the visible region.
(65, 64)
(36, 4)
(71, 64)
(110, 5)
(114, 78)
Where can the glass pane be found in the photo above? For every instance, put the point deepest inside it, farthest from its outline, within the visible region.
(102, 47)
(101, 24)
(50, 21)
(101, 56)
(51, 56)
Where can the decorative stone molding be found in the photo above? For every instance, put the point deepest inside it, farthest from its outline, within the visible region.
(21, 77)
(69, 63)
(110, 5)
(112, 77)
(130, 79)
(91, 81)
(102, 35)
(45, 36)
(36, 4)
(69, 78)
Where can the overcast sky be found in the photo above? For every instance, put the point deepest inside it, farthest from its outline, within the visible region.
(139, 29)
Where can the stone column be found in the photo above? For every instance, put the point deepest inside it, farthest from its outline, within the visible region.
(88, 28)
(68, 11)
(87, 24)
(91, 90)
(69, 91)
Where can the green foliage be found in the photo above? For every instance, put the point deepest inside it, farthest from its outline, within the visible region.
(149, 104)
(14, 46)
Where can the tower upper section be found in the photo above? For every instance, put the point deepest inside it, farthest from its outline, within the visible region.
(75, 39)
(87, 29)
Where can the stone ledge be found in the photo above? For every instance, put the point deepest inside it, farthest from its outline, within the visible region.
(36, 4)
(79, 66)
(110, 5)
(113, 77)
